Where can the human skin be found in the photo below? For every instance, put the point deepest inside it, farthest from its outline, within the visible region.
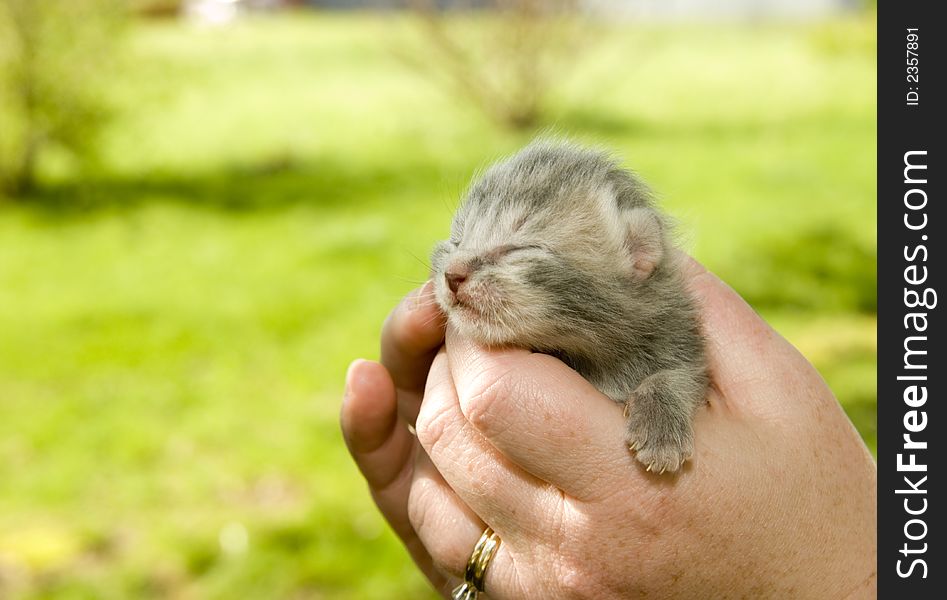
(778, 501)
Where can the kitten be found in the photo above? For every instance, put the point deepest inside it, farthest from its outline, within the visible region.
(559, 250)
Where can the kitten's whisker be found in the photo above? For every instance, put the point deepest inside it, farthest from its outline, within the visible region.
(420, 261)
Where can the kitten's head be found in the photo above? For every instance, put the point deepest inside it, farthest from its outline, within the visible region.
(547, 249)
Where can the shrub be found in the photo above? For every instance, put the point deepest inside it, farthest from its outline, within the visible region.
(54, 56)
(507, 62)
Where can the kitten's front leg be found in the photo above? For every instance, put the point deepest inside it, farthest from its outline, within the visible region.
(660, 416)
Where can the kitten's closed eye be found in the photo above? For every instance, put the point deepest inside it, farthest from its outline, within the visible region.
(501, 251)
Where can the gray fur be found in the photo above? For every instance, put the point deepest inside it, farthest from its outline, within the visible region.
(560, 250)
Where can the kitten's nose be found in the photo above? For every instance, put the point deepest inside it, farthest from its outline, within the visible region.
(455, 276)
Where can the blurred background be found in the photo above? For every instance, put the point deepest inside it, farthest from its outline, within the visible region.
(208, 207)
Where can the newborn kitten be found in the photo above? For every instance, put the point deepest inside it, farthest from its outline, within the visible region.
(559, 250)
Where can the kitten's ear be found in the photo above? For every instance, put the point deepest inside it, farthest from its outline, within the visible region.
(644, 241)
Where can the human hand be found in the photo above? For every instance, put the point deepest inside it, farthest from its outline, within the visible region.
(779, 500)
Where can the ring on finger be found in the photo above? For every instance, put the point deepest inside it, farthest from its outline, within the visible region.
(477, 565)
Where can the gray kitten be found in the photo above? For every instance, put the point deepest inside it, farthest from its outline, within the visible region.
(559, 250)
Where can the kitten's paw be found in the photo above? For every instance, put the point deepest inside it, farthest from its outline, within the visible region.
(659, 414)
(662, 444)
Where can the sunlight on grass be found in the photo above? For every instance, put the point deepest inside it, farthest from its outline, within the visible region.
(175, 328)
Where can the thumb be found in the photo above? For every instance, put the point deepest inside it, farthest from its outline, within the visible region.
(751, 365)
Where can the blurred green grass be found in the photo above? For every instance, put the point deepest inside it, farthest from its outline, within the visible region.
(175, 327)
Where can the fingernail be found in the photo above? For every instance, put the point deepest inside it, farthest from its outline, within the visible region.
(349, 375)
(424, 295)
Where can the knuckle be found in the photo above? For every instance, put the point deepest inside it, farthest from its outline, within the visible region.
(484, 403)
(431, 426)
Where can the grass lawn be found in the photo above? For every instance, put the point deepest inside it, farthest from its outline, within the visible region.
(174, 329)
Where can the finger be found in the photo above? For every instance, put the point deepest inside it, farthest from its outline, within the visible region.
(370, 426)
(744, 352)
(542, 415)
(383, 449)
(410, 337)
(504, 495)
(444, 524)
(449, 530)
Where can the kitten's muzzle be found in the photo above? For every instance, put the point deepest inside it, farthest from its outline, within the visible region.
(458, 272)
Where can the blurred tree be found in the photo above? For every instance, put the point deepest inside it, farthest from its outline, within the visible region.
(505, 63)
(54, 56)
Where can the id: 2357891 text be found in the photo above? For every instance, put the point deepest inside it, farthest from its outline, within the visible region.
(911, 45)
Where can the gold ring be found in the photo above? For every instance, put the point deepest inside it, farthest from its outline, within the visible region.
(477, 566)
